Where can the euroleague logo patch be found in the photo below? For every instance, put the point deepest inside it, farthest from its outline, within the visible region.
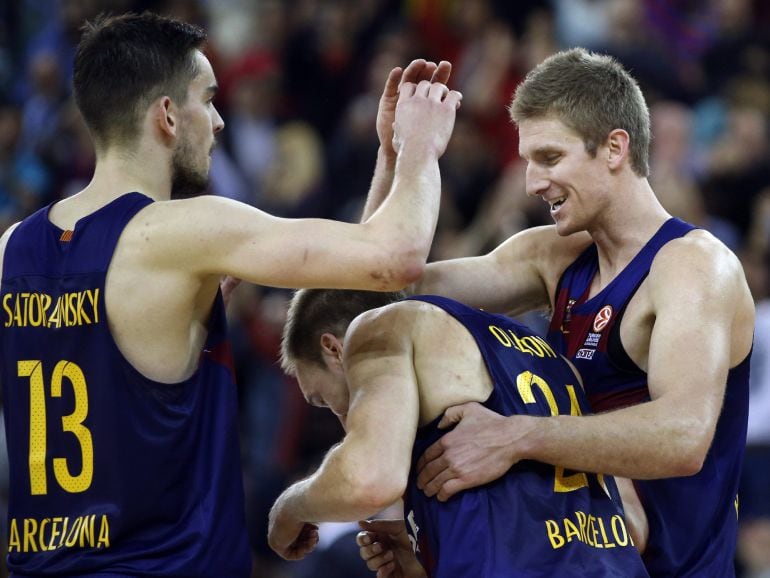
(602, 318)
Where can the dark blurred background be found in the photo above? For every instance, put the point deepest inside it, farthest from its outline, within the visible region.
(300, 81)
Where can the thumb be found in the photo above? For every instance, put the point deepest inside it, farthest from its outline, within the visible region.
(452, 416)
(382, 526)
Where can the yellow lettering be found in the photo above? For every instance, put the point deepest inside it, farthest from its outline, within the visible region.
(533, 346)
(543, 344)
(500, 335)
(72, 538)
(87, 532)
(94, 298)
(571, 530)
(55, 318)
(6, 298)
(35, 313)
(54, 533)
(552, 529)
(41, 532)
(619, 531)
(593, 532)
(104, 533)
(73, 423)
(18, 317)
(606, 543)
(82, 317)
(63, 531)
(736, 503)
(582, 521)
(45, 303)
(14, 542)
(30, 528)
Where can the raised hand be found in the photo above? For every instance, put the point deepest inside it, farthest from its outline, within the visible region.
(417, 71)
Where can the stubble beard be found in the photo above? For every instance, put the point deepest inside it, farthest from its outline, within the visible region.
(187, 180)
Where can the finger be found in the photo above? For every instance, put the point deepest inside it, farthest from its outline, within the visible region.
(386, 570)
(452, 415)
(392, 82)
(454, 98)
(451, 487)
(406, 89)
(433, 486)
(364, 538)
(385, 526)
(437, 91)
(423, 88)
(374, 551)
(434, 452)
(428, 71)
(413, 71)
(442, 72)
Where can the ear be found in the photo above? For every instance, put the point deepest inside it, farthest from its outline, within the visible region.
(166, 116)
(331, 352)
(617, 148)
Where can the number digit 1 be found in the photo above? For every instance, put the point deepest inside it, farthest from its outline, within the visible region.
(37, 425)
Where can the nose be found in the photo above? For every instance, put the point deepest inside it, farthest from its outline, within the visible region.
(219, 124)
(536, 181)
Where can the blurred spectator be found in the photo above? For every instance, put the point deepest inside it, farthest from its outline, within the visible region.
(24, 179)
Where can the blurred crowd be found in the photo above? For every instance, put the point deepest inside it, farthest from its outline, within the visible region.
(299, 85)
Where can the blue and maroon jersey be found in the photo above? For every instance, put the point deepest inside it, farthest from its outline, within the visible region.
(537, 520)
(112, 474)
(693, 520)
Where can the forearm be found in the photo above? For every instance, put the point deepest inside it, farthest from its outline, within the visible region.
(382, 181)
(410, 211)
(333, 494)
(645, 441)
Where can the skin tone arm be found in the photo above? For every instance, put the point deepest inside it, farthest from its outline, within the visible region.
(212, 236)
(698, 295)
(369, 470)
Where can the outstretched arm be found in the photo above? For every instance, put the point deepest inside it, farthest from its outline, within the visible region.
(368, 471)
(212, 236)
(699, 296)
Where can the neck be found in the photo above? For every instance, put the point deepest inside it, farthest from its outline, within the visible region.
(626, 225)
(119, 171)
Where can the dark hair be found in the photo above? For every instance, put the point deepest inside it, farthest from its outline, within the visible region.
(313, 312)
(593, 95)
(123, 63)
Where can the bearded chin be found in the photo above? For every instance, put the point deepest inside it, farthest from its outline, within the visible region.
(186, 182)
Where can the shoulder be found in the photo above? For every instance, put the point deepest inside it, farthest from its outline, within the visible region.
(401, 324)
(699, 270)
(698, 256)
(4, 243)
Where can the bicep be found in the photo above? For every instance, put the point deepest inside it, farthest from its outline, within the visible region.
(217, 236)
(506, 280)
(689, 355)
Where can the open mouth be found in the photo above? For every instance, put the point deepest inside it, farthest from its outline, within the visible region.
(556, 204)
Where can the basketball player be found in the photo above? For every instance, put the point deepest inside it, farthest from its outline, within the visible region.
(389, 374)
(655, 314)
(117, 380)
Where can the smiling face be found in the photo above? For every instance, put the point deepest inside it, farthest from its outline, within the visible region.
(199, 124)
(324, 387)
(563, 173)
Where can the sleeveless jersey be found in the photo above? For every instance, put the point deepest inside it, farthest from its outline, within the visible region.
(536, 520)
(112, 474)
(693, 520)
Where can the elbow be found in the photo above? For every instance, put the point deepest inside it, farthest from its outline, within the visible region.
(690, 454)
(689, 462)
(399, 269)
(374, 493)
